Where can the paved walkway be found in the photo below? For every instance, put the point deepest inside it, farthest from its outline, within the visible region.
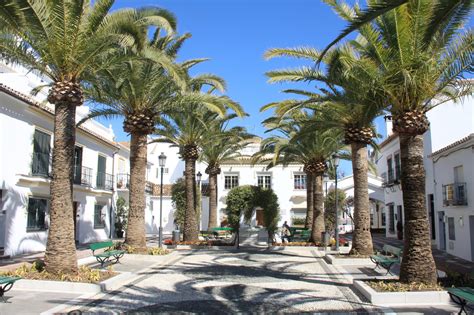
(249, 280)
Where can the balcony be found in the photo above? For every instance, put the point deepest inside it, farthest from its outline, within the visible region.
(455, 194)
(149, 188)
(84, 176)
(41, 164)
(391, 177)
(105, 181)
(123, 181)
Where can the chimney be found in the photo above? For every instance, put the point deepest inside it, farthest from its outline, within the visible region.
(389, 124)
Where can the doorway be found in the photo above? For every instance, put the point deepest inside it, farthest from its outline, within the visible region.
(259, 213)
(75, 207)
(442, 231)
(3, 219)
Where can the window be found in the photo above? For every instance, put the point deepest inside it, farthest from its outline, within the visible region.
(451, 229)
(264, 181)
(391, 218)
(397, 167)
(101, 166)
(37, 208)
(371, 219)
(77, 165)
(99, 216)
(383, 218)
(231, 181)
(165, 171)
(299, 181)
(390, 170)
(41, 153)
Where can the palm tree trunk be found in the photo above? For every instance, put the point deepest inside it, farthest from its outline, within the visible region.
(212, 201)
(136, 234)
(191, 231)
(362, 238)
(318, 216)
(309, 201)
(417, 264)
(60, 253)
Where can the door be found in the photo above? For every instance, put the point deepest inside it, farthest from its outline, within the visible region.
(471, 230)
(75, 206)
(77, 165)
(259, 213)
(3, 218)
(442, 231)
(101, 172)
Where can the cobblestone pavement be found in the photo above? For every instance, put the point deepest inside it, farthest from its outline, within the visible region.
(250, 280)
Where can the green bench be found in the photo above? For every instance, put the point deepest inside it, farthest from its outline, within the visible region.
(461, 296)
(222, 231)
(108, 254)
(6, 283)
(390, 255)
(299, 234)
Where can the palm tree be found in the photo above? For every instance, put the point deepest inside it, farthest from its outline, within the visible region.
(187, 129)
(62, 41)
(310, 149)
(220, 144)
(348, 103)
(362, 16)
(419, 59)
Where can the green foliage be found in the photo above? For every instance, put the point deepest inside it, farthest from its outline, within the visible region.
(298, 221)
(121, 216)
(178, 198)
(242, 201)
(35, 271)
(330, 207)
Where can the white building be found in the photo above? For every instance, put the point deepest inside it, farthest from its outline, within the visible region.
(447, 162)
(26, 138)
(376, 202)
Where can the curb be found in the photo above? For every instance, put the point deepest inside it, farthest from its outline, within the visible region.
(333, 260)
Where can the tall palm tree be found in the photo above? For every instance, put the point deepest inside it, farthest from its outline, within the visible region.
(310, 149)
(420, 57)
(349, 103)
(186, 131)
(142, 89)
(220, 144)
(62, 41)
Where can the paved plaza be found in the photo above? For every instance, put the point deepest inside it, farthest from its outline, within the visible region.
(249, 280)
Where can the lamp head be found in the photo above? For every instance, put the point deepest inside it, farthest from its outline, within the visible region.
(335, 158)
(198, 176)
(162, 159)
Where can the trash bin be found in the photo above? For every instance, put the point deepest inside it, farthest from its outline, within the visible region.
(176, 236)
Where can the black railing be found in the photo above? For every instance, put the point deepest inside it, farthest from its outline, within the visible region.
(40, 164)
(455, 194)
(104, 181)
(123, 181)
(86, 177)
(149, 188)
(391, 177)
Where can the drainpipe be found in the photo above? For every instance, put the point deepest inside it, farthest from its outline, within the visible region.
(114, 191)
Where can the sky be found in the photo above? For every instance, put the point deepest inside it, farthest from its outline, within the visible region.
(234, 34)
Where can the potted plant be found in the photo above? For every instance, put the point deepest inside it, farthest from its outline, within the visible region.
(121, 217)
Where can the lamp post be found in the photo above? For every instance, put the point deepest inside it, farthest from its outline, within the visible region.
(335, 158)
(198, 177)
(161, 163)
(326, 235)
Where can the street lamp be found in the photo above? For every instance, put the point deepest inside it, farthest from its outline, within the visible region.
(198, 177)
(335, 159)
(161, 163)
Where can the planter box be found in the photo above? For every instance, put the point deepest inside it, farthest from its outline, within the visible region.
(333, 260)
(401, 298)
(73, 287)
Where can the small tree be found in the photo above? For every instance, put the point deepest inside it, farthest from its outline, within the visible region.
(178, 198)
(330, 207)
(121, 216)
(243, 200)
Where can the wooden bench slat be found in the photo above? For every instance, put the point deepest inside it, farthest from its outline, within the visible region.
(100, 245)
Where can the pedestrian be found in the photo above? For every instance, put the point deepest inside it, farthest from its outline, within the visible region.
(285, 232)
